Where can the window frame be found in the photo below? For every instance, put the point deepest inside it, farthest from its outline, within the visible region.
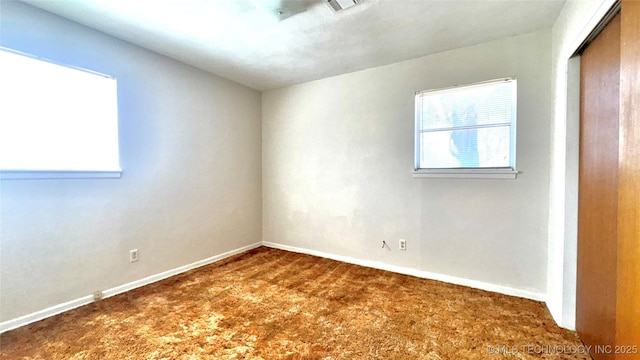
(46, 174)
(508, 172)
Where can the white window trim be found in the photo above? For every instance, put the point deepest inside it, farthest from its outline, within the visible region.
(58, 174)
(479, 173)
(506, 173)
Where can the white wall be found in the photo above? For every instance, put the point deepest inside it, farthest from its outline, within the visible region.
(191, 188)
(338, 157)
(576, 20)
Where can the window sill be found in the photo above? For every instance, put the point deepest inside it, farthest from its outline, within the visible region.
(65, 174)
(466, 173)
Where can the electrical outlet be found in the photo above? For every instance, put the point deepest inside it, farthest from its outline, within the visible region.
(134, 255)
(402, 244)
(97, 295)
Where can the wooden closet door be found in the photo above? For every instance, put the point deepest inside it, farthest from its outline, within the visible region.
(598, 189)
(628, 298)
(608, 284)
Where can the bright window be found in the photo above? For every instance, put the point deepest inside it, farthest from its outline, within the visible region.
(56, 121)
(467, 129)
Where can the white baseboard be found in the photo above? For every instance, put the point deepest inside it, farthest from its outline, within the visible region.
(60, 308)
(417, 273)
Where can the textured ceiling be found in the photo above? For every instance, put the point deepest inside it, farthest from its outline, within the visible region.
(248, 42)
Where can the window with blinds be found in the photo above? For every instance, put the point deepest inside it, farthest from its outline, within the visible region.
(56, 121)
(467, 127)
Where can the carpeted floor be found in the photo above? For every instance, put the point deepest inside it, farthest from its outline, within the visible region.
(273, 304)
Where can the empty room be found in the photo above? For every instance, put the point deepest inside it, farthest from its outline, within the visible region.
(319, 179)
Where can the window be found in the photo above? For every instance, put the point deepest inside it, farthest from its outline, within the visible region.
(467, 131)
(56, 121)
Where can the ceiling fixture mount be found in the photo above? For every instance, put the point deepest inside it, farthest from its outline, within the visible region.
(284, 9)
(338, 5)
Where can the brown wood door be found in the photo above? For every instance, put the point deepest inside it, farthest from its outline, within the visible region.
(628, 297)
(598, 184)
(608, 283)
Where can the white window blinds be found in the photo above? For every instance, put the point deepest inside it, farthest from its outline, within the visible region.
(467, 127)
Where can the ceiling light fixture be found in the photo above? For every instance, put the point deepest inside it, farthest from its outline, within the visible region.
(338, 5)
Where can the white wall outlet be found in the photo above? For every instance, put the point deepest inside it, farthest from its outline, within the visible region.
(402, 244)
(97, 295)
(134, 255)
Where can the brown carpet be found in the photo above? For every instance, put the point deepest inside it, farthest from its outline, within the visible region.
(273, 304)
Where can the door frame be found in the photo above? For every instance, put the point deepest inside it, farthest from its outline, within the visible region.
(563, 237)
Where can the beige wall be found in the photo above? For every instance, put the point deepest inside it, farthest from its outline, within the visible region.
(191, 187)
(338, 157)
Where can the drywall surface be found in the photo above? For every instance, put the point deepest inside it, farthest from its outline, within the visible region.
(191, 187)
(338, 157)
(576, 20)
